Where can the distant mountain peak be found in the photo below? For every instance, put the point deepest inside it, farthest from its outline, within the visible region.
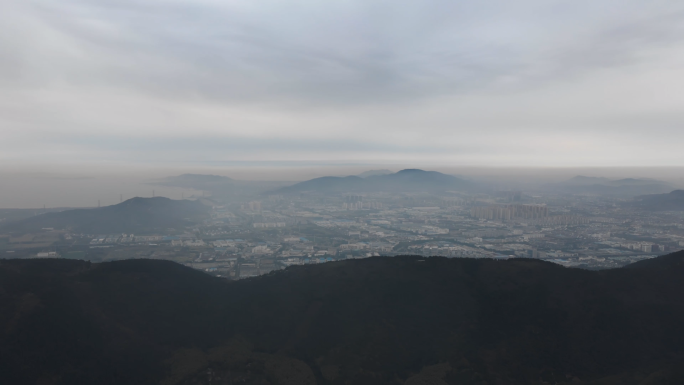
(408, 180)
(370, 173)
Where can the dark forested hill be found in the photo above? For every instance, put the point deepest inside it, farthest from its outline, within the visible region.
(137, 215)
(402, 320)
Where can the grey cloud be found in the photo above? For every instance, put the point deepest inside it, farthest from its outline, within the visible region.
(201, 148)
(619, 45)
(344, 52)
(483, 81)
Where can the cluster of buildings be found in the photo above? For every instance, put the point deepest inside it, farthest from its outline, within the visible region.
(242, 240)
(508, 212)
(356, 202)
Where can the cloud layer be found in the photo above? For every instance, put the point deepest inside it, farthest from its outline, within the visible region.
(564, 83)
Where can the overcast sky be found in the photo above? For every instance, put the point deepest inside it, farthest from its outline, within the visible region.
(475, 83)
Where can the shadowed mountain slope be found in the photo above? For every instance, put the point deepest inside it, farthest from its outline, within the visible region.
(136, 215)
(409, 180)
(674, 201)
(368, 173)
(403, 320)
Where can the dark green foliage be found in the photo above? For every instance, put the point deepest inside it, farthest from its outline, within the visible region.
(373, 321)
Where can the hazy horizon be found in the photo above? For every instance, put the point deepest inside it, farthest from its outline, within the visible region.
(54, 187)
(99, 98)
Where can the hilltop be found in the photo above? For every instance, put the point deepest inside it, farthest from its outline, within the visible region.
(409, 180)
(402, 320)
(368, 173)
(136, 215)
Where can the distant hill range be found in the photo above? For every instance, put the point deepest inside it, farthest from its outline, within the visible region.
(604, 186)
(674, 201)
(136, 215)
(380, 321)
(409, 180)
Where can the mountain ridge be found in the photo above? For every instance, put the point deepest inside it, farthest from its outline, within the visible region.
(408, 180)
(381, 320)
(368, 173)
(672, 201)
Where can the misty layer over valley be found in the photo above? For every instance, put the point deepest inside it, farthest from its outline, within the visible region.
(238, 228)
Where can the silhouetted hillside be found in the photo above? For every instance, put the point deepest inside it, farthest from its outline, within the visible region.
(403, 320)
(674, 201)
(410, 180)
(136, 215)
(8, 215)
